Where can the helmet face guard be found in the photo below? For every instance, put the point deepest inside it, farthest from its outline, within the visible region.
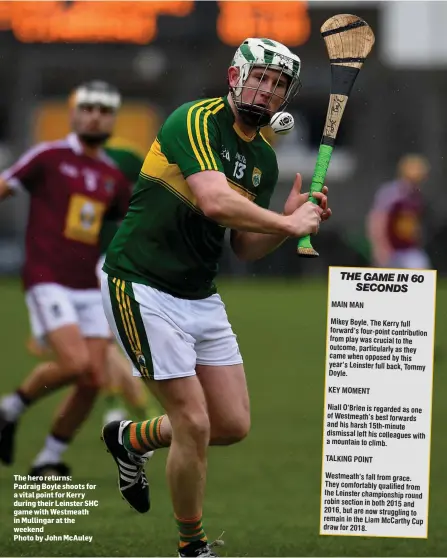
(260, 115)
(265, 55)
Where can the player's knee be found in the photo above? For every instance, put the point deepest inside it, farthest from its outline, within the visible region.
(232, 430)
(91, 382)
(193, 424)
(240, 429)
(198, 426)
(94, 378)
(77, 365)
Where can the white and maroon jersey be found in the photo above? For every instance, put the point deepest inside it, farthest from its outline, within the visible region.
(70, 193)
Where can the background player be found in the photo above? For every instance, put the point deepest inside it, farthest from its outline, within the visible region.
(73, 186)
(394, 224)
(119, 385)
(209, 169)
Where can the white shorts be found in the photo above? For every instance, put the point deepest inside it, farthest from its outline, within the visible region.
(99, 265)
(164, 336)
(52, 306)
(413, 258)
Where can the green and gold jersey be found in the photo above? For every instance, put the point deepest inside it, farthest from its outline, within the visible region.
(129, 161)
(165, 240)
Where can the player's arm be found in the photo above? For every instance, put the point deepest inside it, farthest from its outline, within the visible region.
(221, 204)
(254, 246)
(24, 174)
(250, 246)
(190, 138)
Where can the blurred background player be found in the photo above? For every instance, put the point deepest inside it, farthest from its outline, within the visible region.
(73, 186)
(120, 386)
(394, 224)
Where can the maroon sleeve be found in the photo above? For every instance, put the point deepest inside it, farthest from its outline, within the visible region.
(27, 171)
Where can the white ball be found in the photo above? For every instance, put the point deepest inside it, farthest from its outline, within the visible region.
(282, 123)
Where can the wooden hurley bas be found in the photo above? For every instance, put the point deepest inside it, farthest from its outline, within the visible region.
(348, 40)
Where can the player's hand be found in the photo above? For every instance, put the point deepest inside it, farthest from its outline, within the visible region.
(296, 199)
(322, 200)
(305, 220)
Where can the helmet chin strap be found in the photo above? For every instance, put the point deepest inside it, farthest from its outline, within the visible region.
(252, 118)
(94, 140)
(249, 115)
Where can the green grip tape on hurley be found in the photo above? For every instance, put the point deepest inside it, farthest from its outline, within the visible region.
(321, 166)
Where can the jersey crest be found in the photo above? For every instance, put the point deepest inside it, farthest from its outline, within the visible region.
(256, 177)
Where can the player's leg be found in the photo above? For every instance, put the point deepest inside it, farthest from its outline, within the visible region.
(73, 412)
(186, 429)
(54, 326)
(226, 393)
(54, 319)
(228, 403)
(221, 372)
(72, 361)
(162, 352)
(39, 349)
(131, 389)
(115, 409)
(93, 332)
(135, 393)
(138, 399)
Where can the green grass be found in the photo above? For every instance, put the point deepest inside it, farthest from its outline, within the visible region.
(265, 492)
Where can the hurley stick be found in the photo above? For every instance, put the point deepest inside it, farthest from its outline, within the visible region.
(348, 40)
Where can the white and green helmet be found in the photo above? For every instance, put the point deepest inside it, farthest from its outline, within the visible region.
(96, 92)
(266, 54)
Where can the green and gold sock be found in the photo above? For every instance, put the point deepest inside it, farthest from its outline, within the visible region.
(141, 437)
(190, 530)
